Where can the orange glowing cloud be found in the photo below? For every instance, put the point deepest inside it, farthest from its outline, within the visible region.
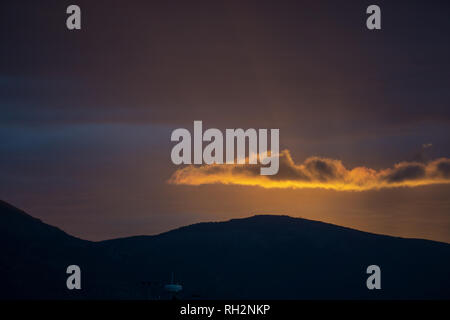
(317, 172)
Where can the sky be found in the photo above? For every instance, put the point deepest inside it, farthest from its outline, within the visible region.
(364, 116)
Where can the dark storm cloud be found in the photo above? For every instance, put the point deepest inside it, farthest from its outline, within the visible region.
(321, 169)
(443, 168)
(406, 172)
(175, 62)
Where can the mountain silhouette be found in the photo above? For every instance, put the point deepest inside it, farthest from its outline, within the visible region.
(260, 257)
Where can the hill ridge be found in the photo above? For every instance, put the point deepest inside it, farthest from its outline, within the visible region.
(247, 258)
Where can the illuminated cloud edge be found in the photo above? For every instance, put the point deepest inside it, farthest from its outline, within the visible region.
(317, 172)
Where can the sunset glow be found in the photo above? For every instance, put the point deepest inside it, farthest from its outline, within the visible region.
(317, 172)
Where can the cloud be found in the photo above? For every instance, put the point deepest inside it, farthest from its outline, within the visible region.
(316, 172)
